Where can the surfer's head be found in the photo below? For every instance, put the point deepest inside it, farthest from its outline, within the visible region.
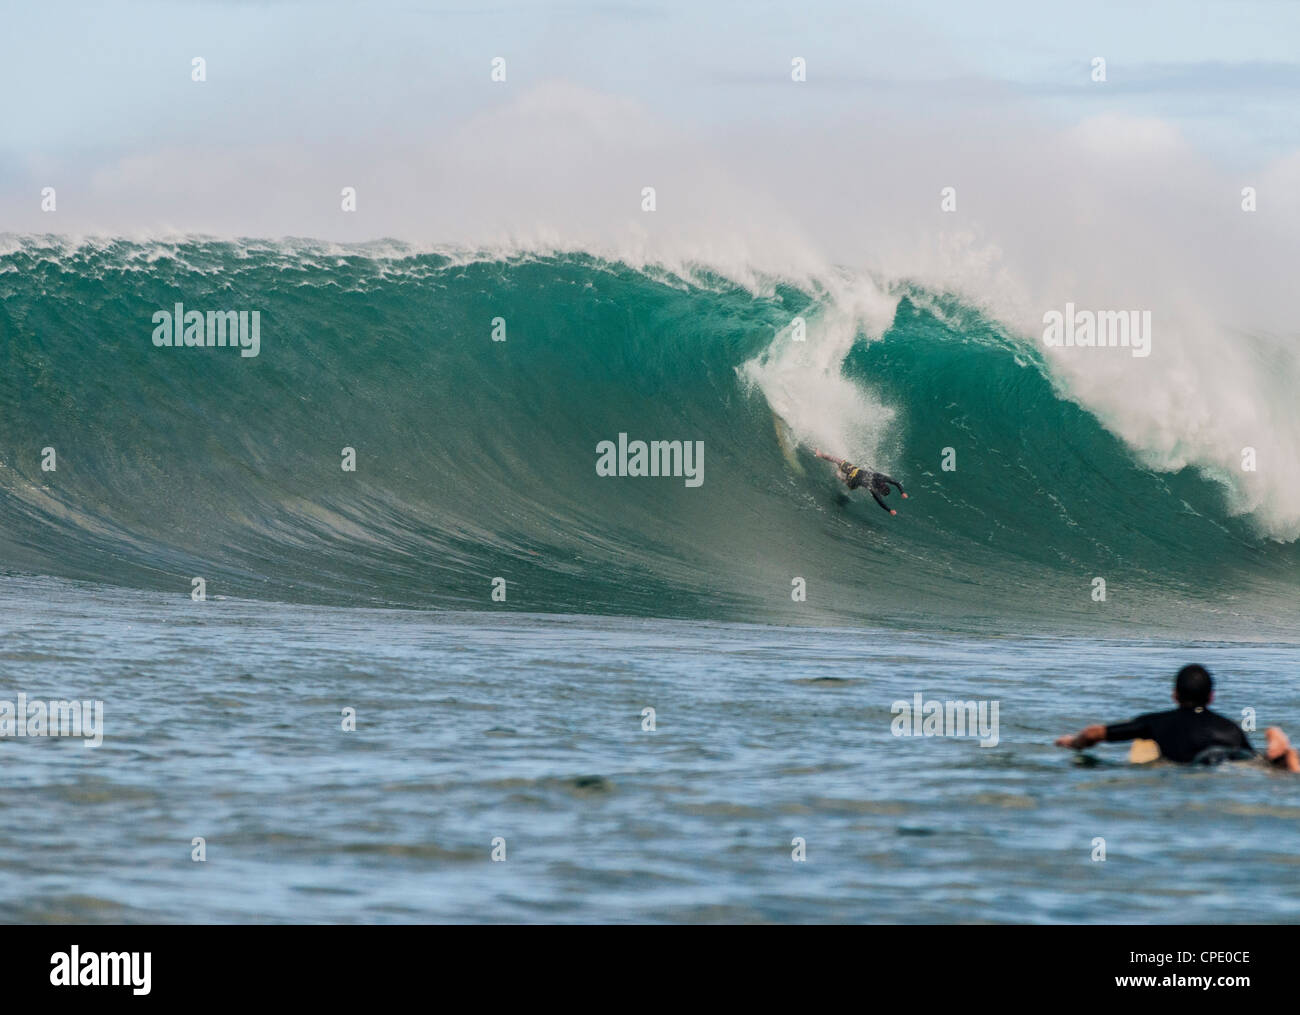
(1193, 688)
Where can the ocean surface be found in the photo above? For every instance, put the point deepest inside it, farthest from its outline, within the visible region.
(222, 720)
(769, 621)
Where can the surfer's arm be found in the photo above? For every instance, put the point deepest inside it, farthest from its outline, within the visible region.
(1086, 737)
(828, 458)
(882, 503)
(894, 482)
(1134, 729)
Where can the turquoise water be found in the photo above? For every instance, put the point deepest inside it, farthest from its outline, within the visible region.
(522, 719)
(476, 459)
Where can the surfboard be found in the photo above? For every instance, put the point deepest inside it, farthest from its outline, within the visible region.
(785, 439)
(1142, 752)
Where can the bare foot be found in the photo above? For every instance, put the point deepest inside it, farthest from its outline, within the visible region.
(1279, 750)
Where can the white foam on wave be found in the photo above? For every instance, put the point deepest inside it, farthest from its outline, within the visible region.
(804, 383)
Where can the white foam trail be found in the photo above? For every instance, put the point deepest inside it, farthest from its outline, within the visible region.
(804, 383)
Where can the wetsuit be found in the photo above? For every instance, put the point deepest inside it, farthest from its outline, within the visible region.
(877, 482)
(1187, 734)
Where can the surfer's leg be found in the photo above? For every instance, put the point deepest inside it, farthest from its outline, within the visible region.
(1279, 750)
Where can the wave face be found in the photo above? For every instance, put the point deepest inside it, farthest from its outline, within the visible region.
(476, 459)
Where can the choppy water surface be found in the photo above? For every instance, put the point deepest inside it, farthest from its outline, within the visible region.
(223, 721)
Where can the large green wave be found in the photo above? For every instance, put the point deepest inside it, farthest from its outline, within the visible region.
(475, 459)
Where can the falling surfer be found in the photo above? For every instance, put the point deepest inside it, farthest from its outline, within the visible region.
(854, 476)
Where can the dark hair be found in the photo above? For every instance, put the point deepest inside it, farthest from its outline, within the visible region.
(1193, 686)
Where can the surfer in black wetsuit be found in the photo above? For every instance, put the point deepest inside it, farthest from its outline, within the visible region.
(1191, 732)
(876, 482)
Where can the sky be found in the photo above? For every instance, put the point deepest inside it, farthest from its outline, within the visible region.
(91, 83)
